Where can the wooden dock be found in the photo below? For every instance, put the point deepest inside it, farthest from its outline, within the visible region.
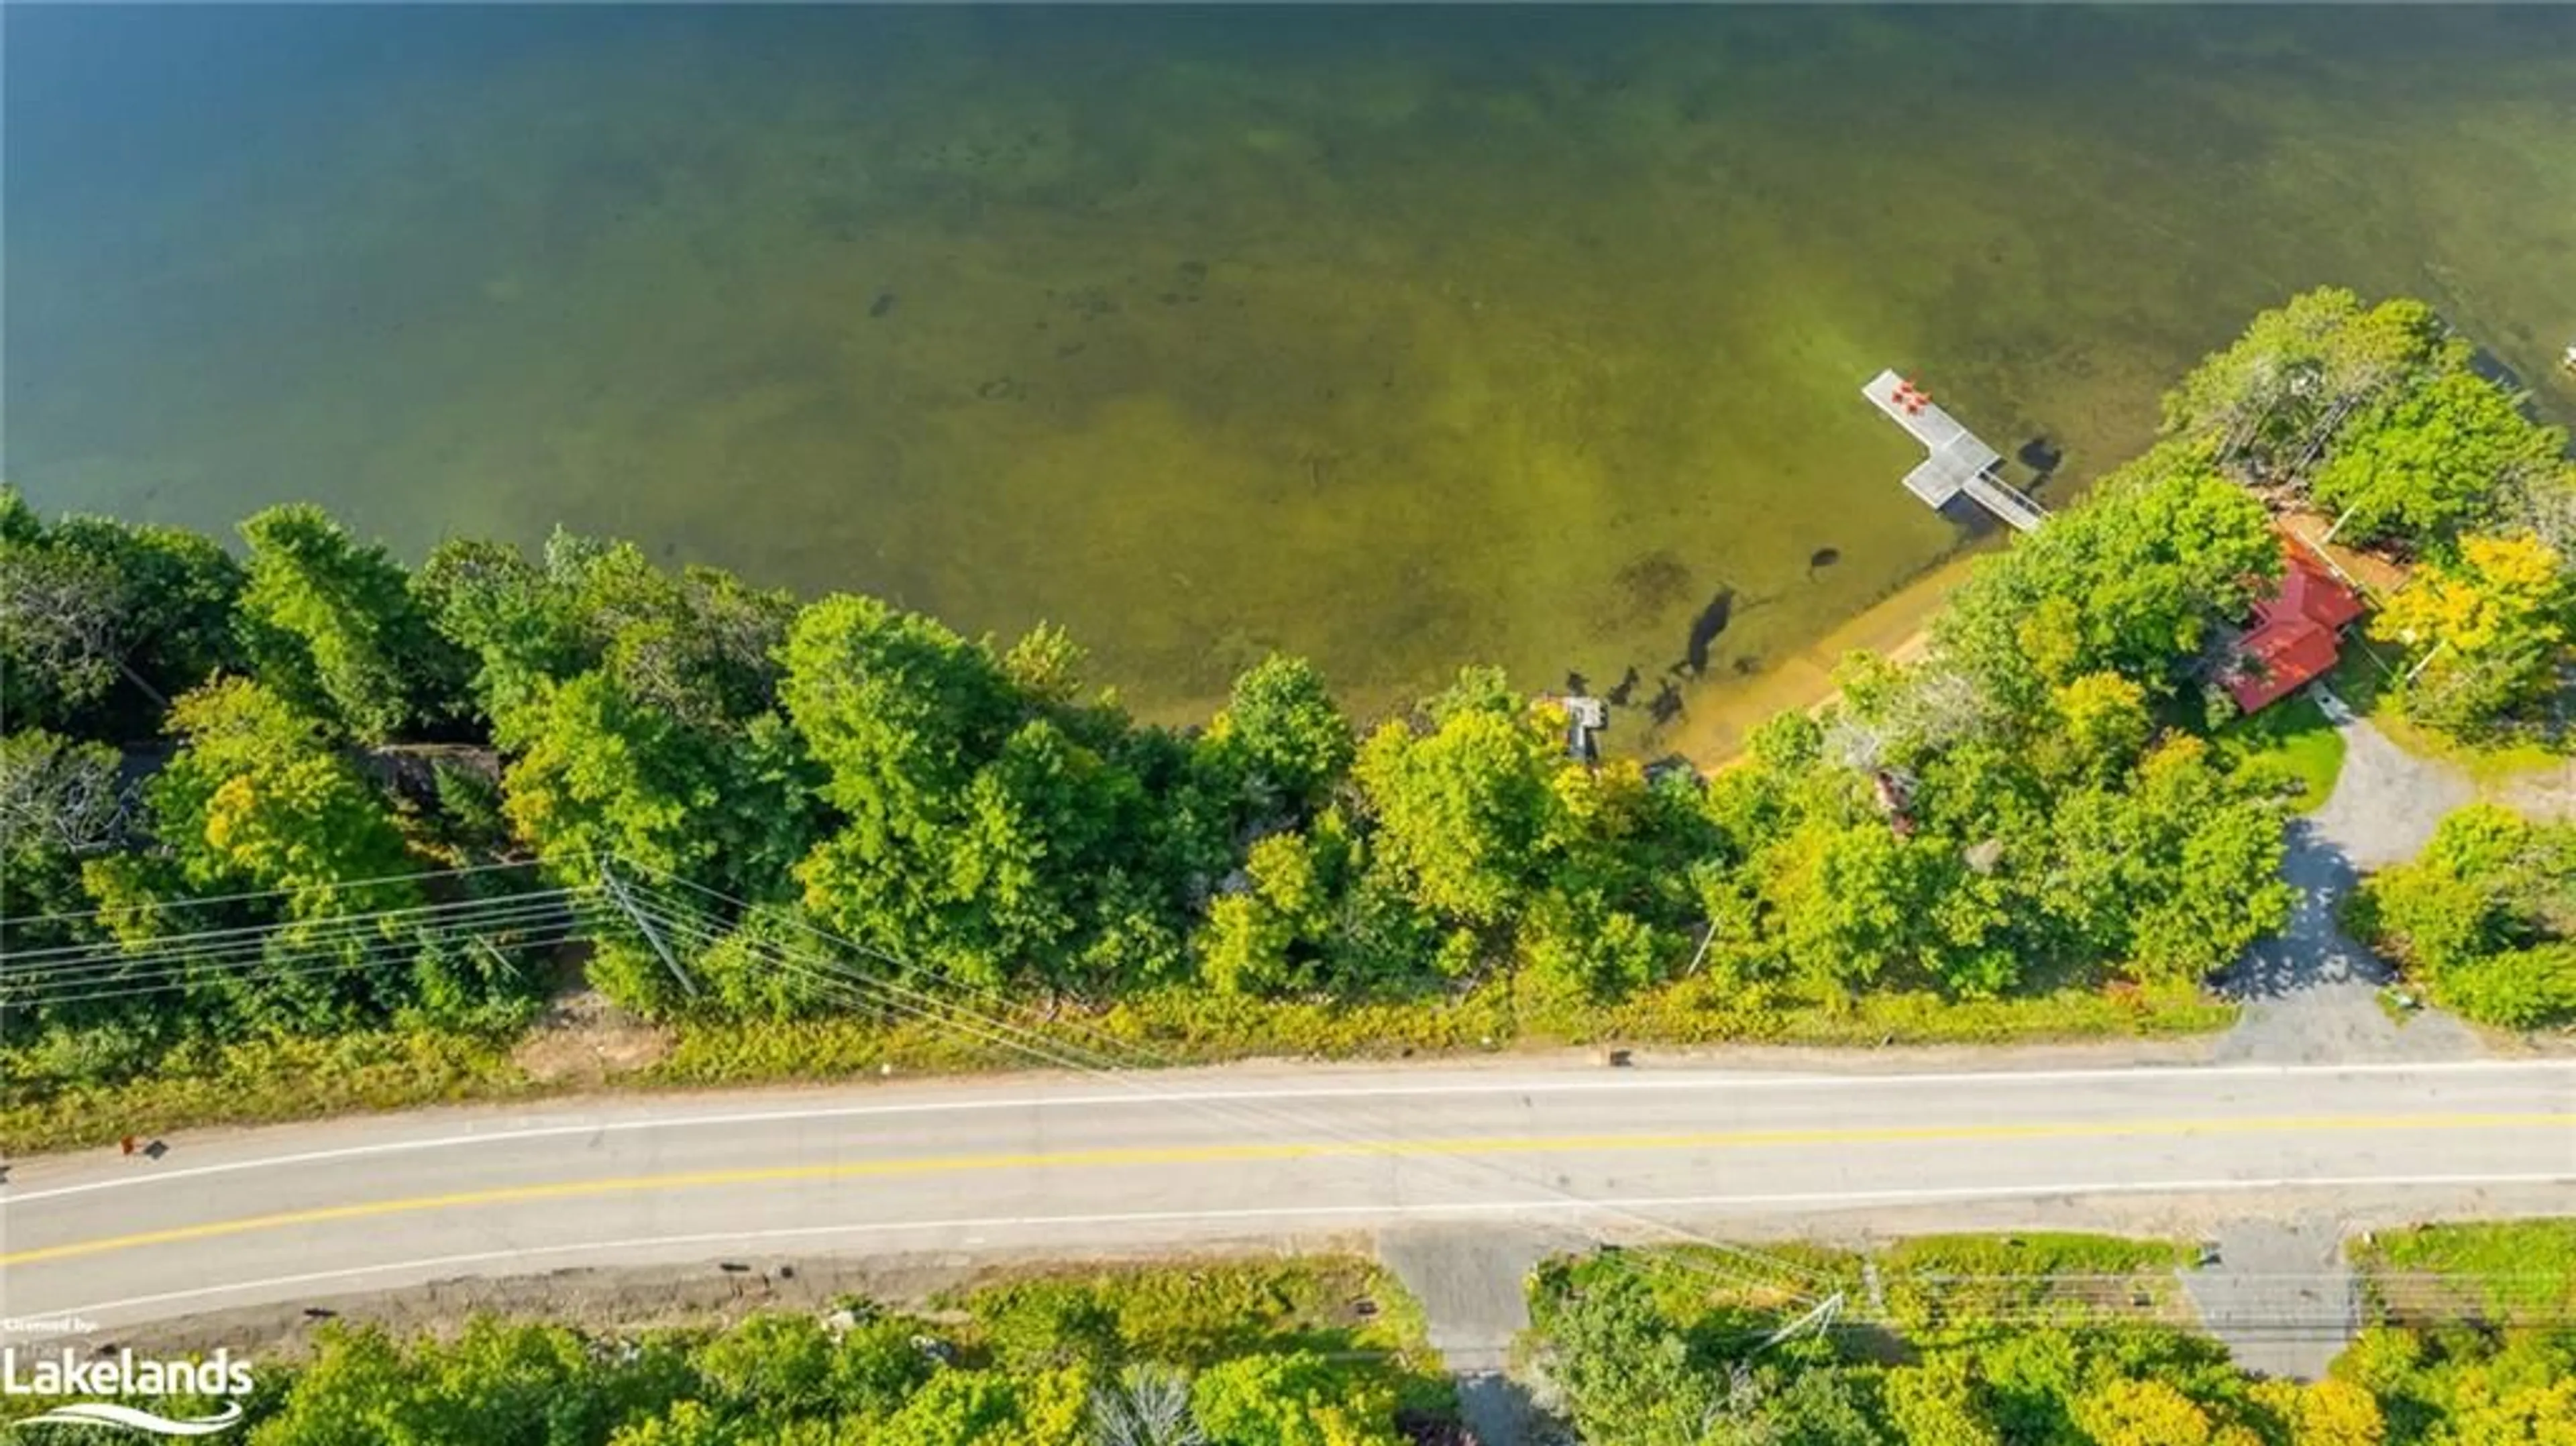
(1958, 463)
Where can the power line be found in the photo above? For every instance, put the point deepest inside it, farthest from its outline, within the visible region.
(200, 901)
(967, 1022)
(178, 954)
(211, 943)
(1773, 1268)
(297, 964)
(29, 961)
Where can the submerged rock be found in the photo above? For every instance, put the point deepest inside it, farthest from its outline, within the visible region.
(1706, 628)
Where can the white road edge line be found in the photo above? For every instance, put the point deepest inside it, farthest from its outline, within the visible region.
(1293, 1212)
(1650, 1081)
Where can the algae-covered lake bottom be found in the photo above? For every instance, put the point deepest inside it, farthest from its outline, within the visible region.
(1401, 338)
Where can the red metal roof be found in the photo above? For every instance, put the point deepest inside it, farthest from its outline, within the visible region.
(2278, 658)
(2309, 593)
(2295, 639)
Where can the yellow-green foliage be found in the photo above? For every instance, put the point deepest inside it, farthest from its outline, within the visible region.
(1646, 1347)
(265, 1078)
(2510, 1271)
(1311, 1352)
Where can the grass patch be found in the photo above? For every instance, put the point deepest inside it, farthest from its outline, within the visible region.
(2510, 1271)
(2397, 1002)
(287, 1079)
(261, 1081)
(1191, 1027)
(1921, 1287)
(2366, 678)
(1947, 1282)
(2291, 741)
(1198, 1314)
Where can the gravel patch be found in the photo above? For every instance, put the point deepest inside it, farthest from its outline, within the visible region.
(2280, 1295)
(2310, 994)
(1473, 1282)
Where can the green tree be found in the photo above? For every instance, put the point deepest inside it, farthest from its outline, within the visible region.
(2270, 402)
(2142, 1413)
(604, 775)
(334, 624)
(2456, 901)
(1626, 1375)
(2423, 463)
(2174, 878)
(103, 622)
(987, 1408)
(2336, 1413)
(2491, 632)
(876, 1368)
(2129, 584)
(2480, 916)
(1293, 1399)
(1813, 1408)
(2102, 728)
(690, 1423)
(989, 843)
(1463, 811)
(516, 622)
(1271, 937)
(778, 1365)
(257, 800)
(1939, 1403)
(1046, 666)
(1295, 741)
(497, 1385)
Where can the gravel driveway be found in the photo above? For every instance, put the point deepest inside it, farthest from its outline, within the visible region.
(2311, 994)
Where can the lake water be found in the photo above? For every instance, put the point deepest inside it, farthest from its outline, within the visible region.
(1399, 338)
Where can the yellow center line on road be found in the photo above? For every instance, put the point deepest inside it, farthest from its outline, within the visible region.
(1285, 1150)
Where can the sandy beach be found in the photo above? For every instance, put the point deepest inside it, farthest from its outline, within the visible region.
(1712, 731)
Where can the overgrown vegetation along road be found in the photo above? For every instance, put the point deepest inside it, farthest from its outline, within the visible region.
(2501, 1273)
(1319, 1350)
(2026, 831)
(1985, 1343)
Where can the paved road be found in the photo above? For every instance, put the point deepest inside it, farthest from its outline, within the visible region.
(301, 1213)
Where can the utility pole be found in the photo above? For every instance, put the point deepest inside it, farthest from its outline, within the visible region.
(616, 889)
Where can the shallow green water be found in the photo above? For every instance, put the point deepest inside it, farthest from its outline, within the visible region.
(1398, 338)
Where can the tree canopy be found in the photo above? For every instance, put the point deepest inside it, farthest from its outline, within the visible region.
(2423, 464)
(2484, 917)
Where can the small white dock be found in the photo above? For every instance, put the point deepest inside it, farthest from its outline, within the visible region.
(1959, 461)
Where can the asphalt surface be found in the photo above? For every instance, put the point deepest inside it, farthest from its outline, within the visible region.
(299, 1214)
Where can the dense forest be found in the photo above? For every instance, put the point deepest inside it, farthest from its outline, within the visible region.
(301, 789)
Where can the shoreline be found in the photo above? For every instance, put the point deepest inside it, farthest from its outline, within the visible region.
(1711, 733)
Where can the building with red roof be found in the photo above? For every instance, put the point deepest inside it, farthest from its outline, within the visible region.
(2297, 633)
